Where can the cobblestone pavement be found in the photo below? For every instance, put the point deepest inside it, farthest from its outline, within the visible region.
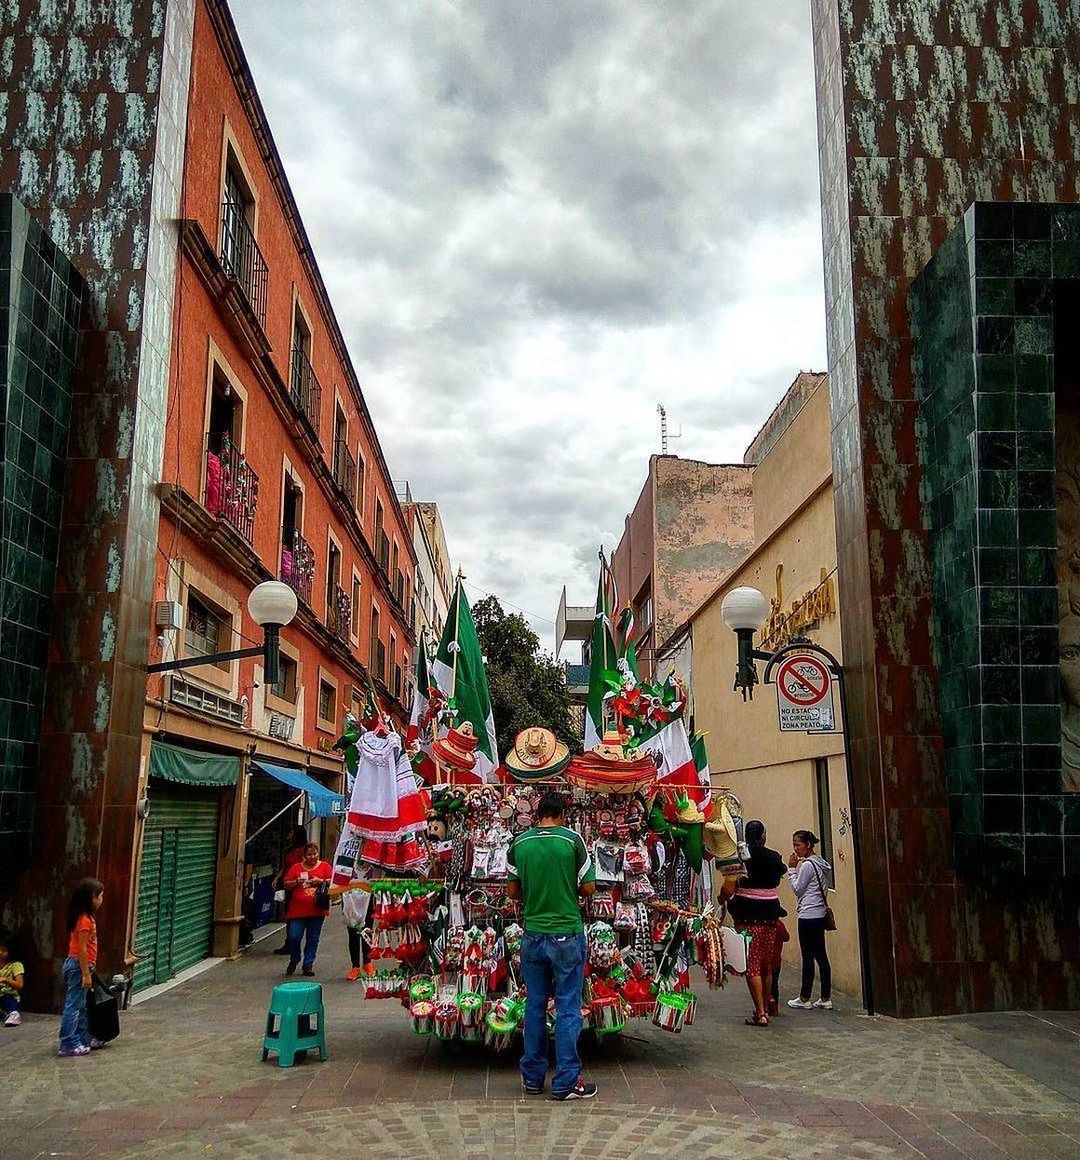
(186, 1078)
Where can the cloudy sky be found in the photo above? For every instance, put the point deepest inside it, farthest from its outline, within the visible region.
(536, 222)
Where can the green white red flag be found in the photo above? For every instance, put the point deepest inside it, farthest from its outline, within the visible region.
(603, 657)
(458, 670)
(421, 730)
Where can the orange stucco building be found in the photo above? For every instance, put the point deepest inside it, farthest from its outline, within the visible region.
(272, 469)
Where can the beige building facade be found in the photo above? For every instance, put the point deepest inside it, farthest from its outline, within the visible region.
(788, 780)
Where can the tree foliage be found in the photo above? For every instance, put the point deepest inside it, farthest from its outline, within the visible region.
(527, 686)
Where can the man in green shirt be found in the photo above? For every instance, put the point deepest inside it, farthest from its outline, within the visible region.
(550, 868)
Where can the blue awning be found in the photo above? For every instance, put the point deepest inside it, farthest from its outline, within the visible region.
(322, 802)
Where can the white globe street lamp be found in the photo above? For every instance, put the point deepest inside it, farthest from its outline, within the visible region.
(272, 605)
(744, 611)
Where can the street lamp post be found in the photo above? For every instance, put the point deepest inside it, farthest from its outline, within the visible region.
(272, 606)
(744, 611)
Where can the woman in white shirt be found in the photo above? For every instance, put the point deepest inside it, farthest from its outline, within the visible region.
(807, 873)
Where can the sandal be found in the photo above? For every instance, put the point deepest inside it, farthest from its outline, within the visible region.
(757, 1021)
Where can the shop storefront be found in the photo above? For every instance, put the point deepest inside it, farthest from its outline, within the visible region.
(190, 793)
(280, 798)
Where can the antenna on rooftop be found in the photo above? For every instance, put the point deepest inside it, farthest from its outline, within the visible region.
(660, 410)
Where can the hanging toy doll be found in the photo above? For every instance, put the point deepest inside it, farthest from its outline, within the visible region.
(346, 744)
(685, 829)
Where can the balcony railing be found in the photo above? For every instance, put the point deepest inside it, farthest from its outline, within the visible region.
(232, 487)
(345, 470)
(305, 390)
(339, 613)
(241, 257)
(297, 563)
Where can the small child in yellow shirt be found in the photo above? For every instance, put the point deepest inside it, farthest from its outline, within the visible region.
(11, 982)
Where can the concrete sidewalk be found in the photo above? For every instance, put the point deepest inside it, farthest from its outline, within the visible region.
(186, 1078)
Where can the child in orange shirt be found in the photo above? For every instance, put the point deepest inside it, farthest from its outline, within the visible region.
(81, 959)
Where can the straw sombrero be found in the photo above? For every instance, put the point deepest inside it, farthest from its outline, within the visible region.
(721, 838)
(537, 752)
(458, 748)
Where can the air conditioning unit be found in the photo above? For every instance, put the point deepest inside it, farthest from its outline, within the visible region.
(168, 614)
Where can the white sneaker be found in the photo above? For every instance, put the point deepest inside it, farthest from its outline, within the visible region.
(13, 1020)
(801, 1004)
(823, 1004)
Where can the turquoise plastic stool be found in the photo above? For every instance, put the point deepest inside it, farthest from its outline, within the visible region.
(289, 1022)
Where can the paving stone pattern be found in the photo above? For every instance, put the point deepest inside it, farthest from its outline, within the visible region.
(186, 1078)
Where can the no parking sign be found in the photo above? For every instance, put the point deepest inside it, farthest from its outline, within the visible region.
(804, 695)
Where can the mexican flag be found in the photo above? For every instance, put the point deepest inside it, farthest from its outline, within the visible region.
(626, 635)
(603, 658)
(683, 764)
(459, 653)
(419, 735)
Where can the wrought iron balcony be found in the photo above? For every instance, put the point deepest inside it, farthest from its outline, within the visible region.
(339, 613)
(345, 470)
(241, 257)
(297, 563)
(232, 487)
(305, 390)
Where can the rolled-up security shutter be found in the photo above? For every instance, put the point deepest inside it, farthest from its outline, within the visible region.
(176, 882)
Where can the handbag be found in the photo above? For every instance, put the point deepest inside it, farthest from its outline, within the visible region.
(102, 1011)
(830, 918)
(735, 949)
(322, 896)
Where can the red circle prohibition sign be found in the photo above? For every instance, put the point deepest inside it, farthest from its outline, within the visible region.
(816, 689)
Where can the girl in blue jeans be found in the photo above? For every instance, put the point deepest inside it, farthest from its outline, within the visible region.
(81, 960)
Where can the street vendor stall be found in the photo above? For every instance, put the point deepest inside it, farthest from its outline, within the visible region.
(423, 870)
(446, 944)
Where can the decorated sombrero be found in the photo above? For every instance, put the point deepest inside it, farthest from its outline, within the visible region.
(537, 753)
(458, 748)
(611, 768)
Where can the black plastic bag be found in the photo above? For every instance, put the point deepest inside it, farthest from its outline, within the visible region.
(102, 1011)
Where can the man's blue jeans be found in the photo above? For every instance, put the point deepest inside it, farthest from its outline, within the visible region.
(296, 929)
(74, 1030)
(552, 964)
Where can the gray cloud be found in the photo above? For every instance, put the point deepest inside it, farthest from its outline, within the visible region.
(538, 220)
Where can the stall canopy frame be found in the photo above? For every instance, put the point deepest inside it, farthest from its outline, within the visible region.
(322, 802)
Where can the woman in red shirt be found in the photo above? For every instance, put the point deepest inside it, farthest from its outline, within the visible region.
(304, 916)
(294, 854)
(81, 959)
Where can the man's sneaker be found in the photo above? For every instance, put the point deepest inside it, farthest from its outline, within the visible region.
(531, 1089)
(309, 971)
(281, 950)
(66, 1052)
(13, 1020)
(354, 974)
(369, 970)
(580, 1091)
(97, 1044)
(801, 1004)
(291, 968)
(823, 1004)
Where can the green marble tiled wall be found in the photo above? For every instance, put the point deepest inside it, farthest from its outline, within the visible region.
(983, 328)
(40, 293)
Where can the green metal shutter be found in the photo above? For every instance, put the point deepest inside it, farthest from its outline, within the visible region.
(176, 884)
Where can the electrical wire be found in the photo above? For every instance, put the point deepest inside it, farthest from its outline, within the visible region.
(507, 604)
